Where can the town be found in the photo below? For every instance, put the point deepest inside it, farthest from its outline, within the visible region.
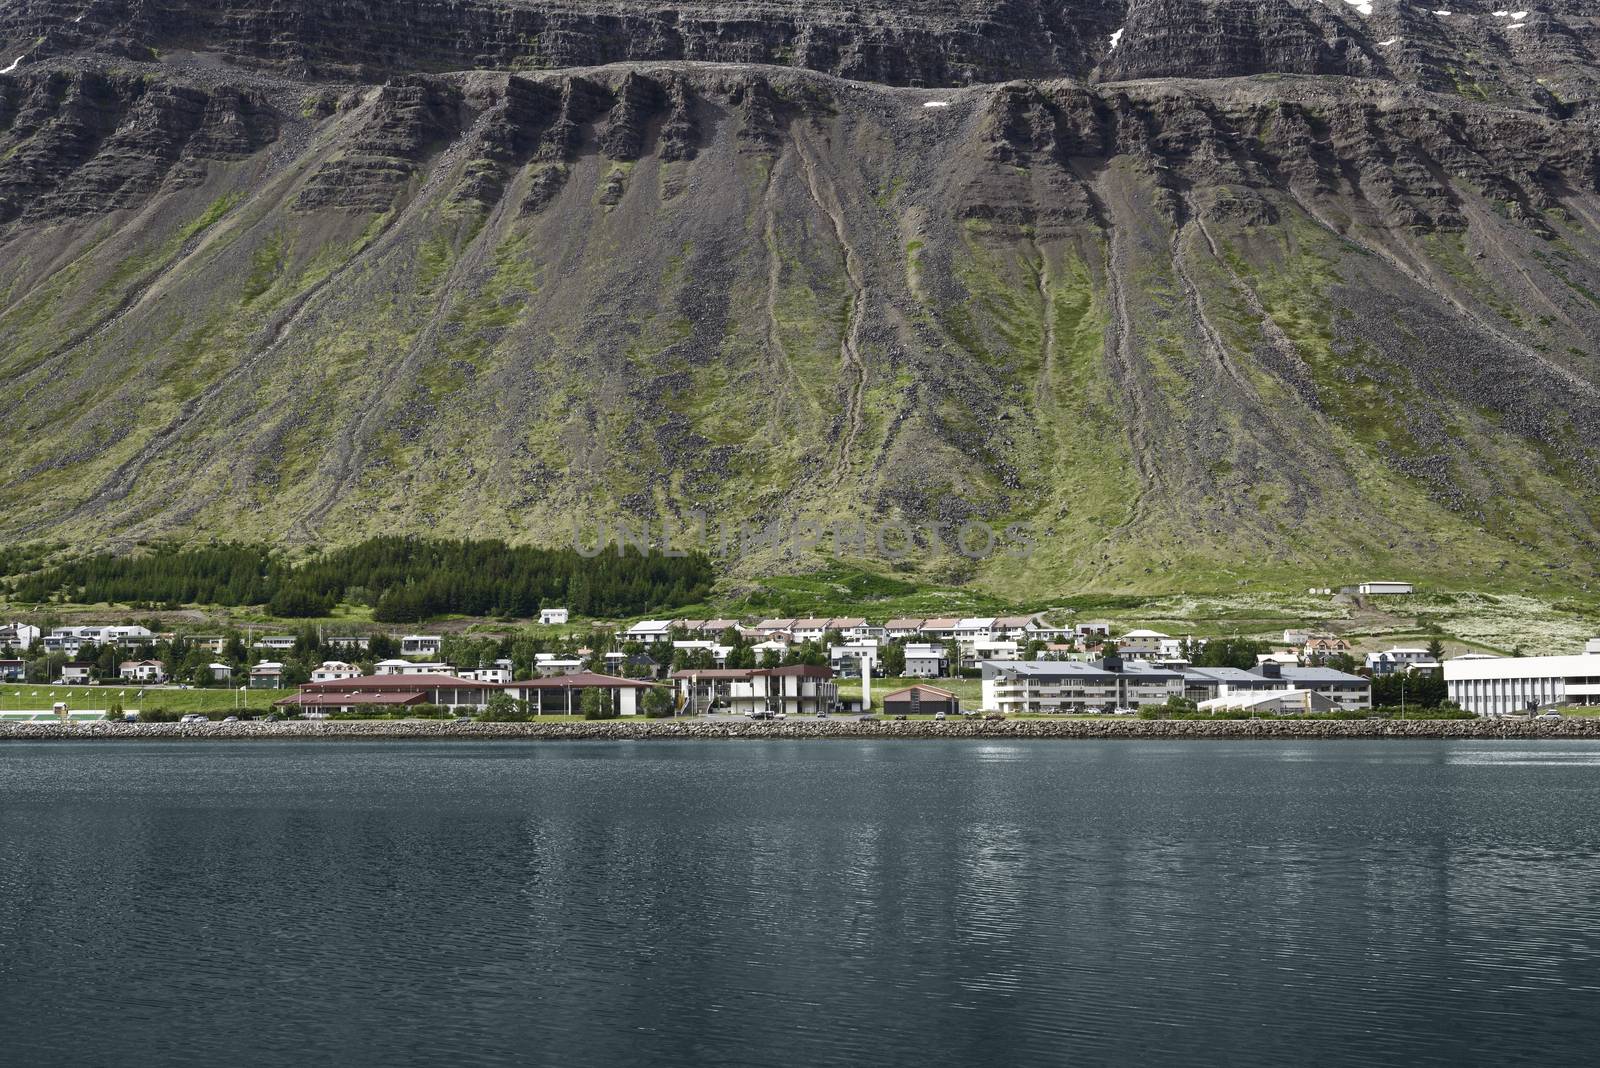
(1002, 666)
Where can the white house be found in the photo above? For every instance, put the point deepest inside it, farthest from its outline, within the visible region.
(810, 630)
(347, 641)
(77, 674)
(854, 628)
(773, 645)
(994, 649)
(649, 631)
(553, 617)
(1385, 589)
(221, 672)
(421, 645)
(973, 629)
(1392, 660)
(1511, 685)
(19, 636)
(333, 670)
(409, 667)
(150, 671)
(846, 659)
(278, 643)
(900, 629)
(70, 640)
(926, 660)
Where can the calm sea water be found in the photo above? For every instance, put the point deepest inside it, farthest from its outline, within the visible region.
(920, 904)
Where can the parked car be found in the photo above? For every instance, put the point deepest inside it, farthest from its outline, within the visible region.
(780, 715)
(1122, 711)
(194, 717)
(822, 715)
(1550, 714)
(231, 719)
(940, 715)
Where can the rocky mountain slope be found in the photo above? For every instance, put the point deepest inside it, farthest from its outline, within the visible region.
(1208, 291)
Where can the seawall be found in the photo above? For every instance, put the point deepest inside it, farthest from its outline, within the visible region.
(667, 730)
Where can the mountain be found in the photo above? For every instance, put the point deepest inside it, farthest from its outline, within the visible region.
(1208, 292)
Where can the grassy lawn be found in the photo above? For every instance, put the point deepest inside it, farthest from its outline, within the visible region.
(18, 698)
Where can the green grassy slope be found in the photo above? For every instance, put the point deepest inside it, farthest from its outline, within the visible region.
(876, 312)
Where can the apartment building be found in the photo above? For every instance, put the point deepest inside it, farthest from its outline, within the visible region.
(1065, 686)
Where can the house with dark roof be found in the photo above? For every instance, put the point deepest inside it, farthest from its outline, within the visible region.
(921, 700)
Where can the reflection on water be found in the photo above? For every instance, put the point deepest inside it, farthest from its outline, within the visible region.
(921, 904)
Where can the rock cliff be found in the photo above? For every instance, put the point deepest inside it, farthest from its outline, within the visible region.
(1207, 291)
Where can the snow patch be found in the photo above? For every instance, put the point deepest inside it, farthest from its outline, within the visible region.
(1442, 13)
(937, 104)
(1514, 16)
(1116, 38)
(1386, 44)
(15, 63)
(1363, 6)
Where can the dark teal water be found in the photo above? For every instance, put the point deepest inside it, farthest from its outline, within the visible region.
(921, 904)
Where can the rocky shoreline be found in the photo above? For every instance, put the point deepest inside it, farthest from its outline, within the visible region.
(668, 730)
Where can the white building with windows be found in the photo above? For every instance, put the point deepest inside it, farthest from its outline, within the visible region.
(649, 631)
(1385, 589)
(421, 645)
(846, 659)
(411, 667)
(553, 617)
(1068, 686)
(333, 670)
(1511, 685)
(1394, 660)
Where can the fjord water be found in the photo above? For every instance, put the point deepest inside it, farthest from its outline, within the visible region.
(904, 903)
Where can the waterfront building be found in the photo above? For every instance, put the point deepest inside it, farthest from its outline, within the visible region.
(1272, 702)
(1066, 686)
(797, 690)
(1513, 685)
(921, 700)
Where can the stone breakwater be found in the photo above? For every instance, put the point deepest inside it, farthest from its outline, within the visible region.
(667, 730)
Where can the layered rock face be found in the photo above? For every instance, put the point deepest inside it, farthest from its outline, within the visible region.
(1288, 296)
(943, 42)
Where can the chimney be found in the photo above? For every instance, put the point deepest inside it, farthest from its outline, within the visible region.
(1271, 669)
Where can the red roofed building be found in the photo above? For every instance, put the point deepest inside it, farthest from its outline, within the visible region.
(555, 696)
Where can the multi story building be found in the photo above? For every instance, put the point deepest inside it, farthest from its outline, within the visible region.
(333, 670)
(1065, 686)
(421, 645)
(1344, 691)
(925, 661)
(148, 671)
(799, 690)
(1514, 685)
(70, 640)
(846, 659)
(1392, 660)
